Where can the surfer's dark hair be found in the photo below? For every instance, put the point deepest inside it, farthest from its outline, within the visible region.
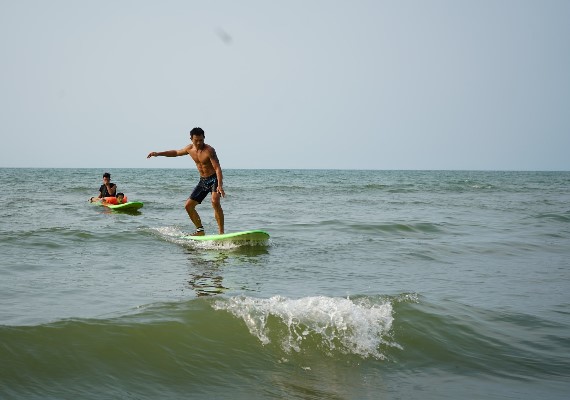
(197, 131)
(107, 175)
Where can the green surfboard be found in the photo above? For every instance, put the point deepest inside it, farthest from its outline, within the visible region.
(254, 236)
(128, 206)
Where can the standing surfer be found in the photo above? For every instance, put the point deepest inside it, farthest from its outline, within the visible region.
(211, 178)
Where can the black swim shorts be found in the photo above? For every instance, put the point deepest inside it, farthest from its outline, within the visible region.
(205, 186)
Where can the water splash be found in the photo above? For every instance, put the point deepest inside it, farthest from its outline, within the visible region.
(348, 326)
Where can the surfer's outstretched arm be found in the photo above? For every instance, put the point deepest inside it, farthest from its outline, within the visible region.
(171, 153)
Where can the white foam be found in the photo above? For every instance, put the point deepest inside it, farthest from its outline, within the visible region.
(174, 235)
(339, 324)
(169, 231)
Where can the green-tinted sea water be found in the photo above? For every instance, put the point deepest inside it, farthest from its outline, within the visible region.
(374, 285)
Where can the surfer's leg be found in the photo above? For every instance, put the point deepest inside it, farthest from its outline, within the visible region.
(193, 214)
(218, 212)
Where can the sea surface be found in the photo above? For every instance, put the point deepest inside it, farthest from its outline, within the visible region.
(374, 285)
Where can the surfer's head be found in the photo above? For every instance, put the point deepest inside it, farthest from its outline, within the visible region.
(197, 137)
(107, 175)
(197, 132)
(120, 197)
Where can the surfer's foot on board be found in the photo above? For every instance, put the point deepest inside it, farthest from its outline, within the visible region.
(199, 232)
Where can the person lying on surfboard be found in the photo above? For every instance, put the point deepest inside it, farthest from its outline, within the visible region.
(211, 178)
(119, 199)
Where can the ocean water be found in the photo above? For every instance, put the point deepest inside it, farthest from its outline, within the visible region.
(374, 285)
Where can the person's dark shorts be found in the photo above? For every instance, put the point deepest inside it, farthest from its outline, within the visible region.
(205, 186)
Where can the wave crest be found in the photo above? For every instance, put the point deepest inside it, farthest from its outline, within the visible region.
(357, 327)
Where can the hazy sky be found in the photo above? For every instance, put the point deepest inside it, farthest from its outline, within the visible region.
(417, 84)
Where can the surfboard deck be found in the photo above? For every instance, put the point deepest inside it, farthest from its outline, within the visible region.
(253, 235)
(128, 206)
